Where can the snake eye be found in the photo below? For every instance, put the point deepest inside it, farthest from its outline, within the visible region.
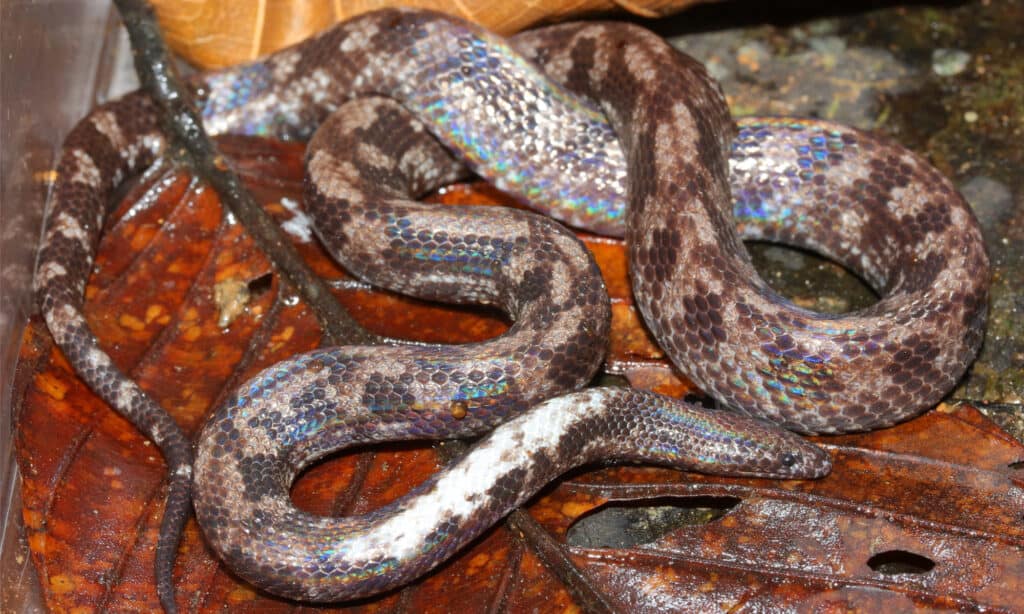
(789, 459)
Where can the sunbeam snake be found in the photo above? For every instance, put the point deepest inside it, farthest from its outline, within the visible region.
(633, 121)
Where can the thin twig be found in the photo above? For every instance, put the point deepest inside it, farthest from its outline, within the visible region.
(185, 130)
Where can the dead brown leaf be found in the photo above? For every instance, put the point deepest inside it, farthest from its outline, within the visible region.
(926, 515)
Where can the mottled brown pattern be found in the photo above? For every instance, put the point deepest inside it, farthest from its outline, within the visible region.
(861, 199)
(795, 367)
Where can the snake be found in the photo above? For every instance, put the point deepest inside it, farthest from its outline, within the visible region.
(601, 125)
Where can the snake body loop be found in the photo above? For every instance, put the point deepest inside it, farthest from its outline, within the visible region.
(638, 143)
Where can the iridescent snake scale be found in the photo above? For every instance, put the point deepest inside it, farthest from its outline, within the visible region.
(667, 148)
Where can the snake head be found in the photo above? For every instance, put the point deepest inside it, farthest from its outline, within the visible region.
(797, 458)
(679, 434)
(753, 448)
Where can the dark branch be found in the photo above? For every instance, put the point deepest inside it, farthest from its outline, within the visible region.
(185, 130)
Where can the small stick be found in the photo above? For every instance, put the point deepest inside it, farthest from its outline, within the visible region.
(159, 78)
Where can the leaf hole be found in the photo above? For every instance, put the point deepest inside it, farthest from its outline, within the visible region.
(634, 523)
(260, 285)
(894, 562)
(1017, 466)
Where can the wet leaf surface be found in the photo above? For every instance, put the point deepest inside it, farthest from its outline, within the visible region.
(929, 514)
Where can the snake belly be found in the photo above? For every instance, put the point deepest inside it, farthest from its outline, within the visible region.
(667, 180)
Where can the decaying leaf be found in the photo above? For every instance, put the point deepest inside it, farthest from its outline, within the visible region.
(929, 514)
